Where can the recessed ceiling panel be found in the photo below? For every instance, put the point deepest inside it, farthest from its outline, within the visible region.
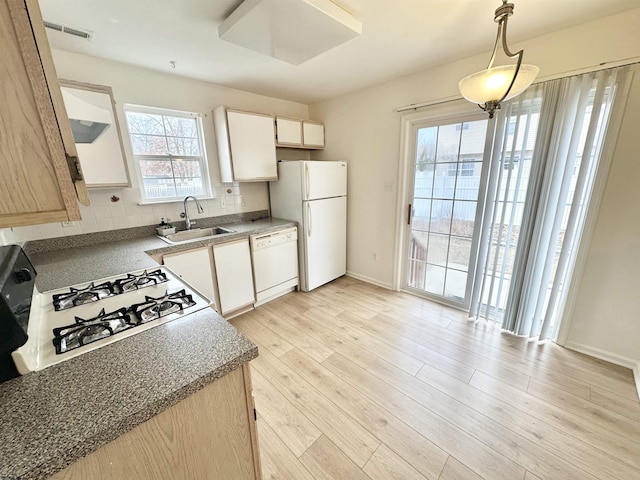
(290, 30)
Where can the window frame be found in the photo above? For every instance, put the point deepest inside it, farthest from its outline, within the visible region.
(411, 124)
(202, 158)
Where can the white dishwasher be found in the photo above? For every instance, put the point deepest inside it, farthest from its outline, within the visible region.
(275, 263)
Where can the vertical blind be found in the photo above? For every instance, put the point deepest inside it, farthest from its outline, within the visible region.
(509, 170)
(545, 156)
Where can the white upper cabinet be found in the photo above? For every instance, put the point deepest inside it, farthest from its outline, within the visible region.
(293, 133)
(246, 146)
(91, 111)
(288, 132)
(312, 134)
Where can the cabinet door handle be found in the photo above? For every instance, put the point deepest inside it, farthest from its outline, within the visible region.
(75, 172)
(74, 167)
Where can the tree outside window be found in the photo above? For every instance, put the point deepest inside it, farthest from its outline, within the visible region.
(169, 151)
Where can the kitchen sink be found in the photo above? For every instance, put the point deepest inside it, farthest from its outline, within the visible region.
(195, 234)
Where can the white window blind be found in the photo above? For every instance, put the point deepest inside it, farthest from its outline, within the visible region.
(511, 163)
(537, 205)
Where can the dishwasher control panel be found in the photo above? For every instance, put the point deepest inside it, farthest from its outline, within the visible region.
(267, 240)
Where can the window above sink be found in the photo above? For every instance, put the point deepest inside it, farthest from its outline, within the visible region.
(169, 153)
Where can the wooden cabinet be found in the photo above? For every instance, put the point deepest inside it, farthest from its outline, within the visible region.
(194, 267)
(246, 146)
(294, 133)
(234, 275)
(210, 434)
(41, 178)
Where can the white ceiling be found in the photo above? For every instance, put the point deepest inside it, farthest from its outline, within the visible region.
(399, 37)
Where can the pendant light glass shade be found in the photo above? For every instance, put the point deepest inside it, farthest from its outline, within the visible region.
(491, 85)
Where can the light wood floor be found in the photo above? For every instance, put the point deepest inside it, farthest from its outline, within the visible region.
(357, 382)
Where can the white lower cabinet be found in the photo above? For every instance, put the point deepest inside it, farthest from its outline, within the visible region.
(194, 267)
(224, 274)
(234, 274)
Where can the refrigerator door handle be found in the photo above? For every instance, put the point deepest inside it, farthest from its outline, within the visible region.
(307, 183)
(308, 219)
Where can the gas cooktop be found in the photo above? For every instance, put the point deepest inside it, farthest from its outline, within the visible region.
(68, 322)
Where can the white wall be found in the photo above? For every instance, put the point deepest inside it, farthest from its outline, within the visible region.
(363, 128)
(606, 318)
(146, 87)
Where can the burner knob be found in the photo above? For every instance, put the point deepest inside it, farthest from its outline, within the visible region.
(23, 275)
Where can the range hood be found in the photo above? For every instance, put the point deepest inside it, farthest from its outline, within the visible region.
(85, 131)
(88, 122)
(290, 30)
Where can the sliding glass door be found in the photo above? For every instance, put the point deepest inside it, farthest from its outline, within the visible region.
(442, 235)
(496, 208)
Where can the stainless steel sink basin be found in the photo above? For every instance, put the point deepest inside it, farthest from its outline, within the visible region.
(195, 234)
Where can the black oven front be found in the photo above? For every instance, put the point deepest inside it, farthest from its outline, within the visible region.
(17, 283)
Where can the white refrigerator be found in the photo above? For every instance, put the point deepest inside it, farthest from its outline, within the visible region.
(314, 194)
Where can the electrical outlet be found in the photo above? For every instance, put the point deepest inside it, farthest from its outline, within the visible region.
(68, 224)
(374, 256)
(388, 186)
(243, 201)
(223, 203)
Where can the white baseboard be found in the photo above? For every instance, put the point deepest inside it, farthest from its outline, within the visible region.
(364, 278)
(616, 359)
(602, 355)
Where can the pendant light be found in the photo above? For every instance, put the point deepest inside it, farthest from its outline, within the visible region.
(490, 87)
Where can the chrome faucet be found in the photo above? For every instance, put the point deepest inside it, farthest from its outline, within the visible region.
(187, 220)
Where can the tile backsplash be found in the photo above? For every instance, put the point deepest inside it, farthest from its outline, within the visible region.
(106, 214)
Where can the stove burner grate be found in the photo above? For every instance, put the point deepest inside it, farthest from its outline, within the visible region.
(154, 308)
(93, 293)
(81, 296)
(86, 331)
(135, 282)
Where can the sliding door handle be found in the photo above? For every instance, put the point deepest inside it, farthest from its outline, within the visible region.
(409, 215)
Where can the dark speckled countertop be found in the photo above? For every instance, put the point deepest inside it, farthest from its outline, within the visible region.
(54, 417)
(69, 266)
